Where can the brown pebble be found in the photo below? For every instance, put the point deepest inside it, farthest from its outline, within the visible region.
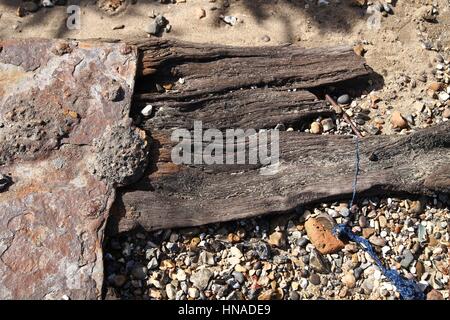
(367, 232)
(434, 295)
(277, 239)
(21, 12)
(435, 86)
(359, 50)
(233, 238)
(446, 113)
(316, 128)
(419, 269)
(322, 238)
(398, 121)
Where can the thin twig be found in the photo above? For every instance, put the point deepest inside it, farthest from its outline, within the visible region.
(344, 115)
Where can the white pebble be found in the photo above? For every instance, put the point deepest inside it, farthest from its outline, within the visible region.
(377, 274)
(303, 283)
(147, 111)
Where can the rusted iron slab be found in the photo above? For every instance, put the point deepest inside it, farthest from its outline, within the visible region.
(57, 98)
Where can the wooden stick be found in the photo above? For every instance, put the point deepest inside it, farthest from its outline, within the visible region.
(344, 115)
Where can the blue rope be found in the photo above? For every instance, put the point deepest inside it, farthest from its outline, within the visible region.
(408, 289)
(355, 179)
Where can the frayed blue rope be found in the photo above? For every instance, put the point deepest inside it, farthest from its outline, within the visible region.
(408, 289)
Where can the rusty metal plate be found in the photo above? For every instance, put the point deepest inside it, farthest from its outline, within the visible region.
(56, 99)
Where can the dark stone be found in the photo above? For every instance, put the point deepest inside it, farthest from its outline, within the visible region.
(314, 279)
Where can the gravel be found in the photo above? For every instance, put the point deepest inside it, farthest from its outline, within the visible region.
(235, 261)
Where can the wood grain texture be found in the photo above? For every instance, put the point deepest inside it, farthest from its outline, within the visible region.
(312, 169)
(231, 87)
(225, 87)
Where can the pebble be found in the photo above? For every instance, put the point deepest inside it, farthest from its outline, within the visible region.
(446, 113)
(362, 221)
(422, 233)
(359, 50)
(435, 86)
(368, 232)
(322, 239)
(206, 257)
(443, 96)
(200, 279)
(193, 292)
(152, 264)
(277, 239)
(383, 221)
(30, 6)
(388, 8)
(238, 276)
(120, 280)
(304, 283)
(368, 285)
(181, 275)
(147, 111)
(265, 38)
(139, 272)
(358, 272)
(318, 262)
(378, 241)
(344, 99)
(327, 124)
(408, 258)
(434, 295)
(316, 128)
(155, 26)
(293, 295)
(231, 20)
(349, 280)
(417, 207)
(171, 292)
(398, 121)
(314, 279)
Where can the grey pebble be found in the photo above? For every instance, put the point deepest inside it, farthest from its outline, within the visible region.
(238, 276)
(302, 242)
(30, 6)
(388, 8)
(344, 99)
(139, 272)
(265, 38)
(360, 121)
(408, 258)
(293, 295)
(357, 272)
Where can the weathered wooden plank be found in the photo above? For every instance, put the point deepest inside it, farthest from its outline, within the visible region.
(225, 86)
(212, 68)
(312, 168)
(254, 108)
